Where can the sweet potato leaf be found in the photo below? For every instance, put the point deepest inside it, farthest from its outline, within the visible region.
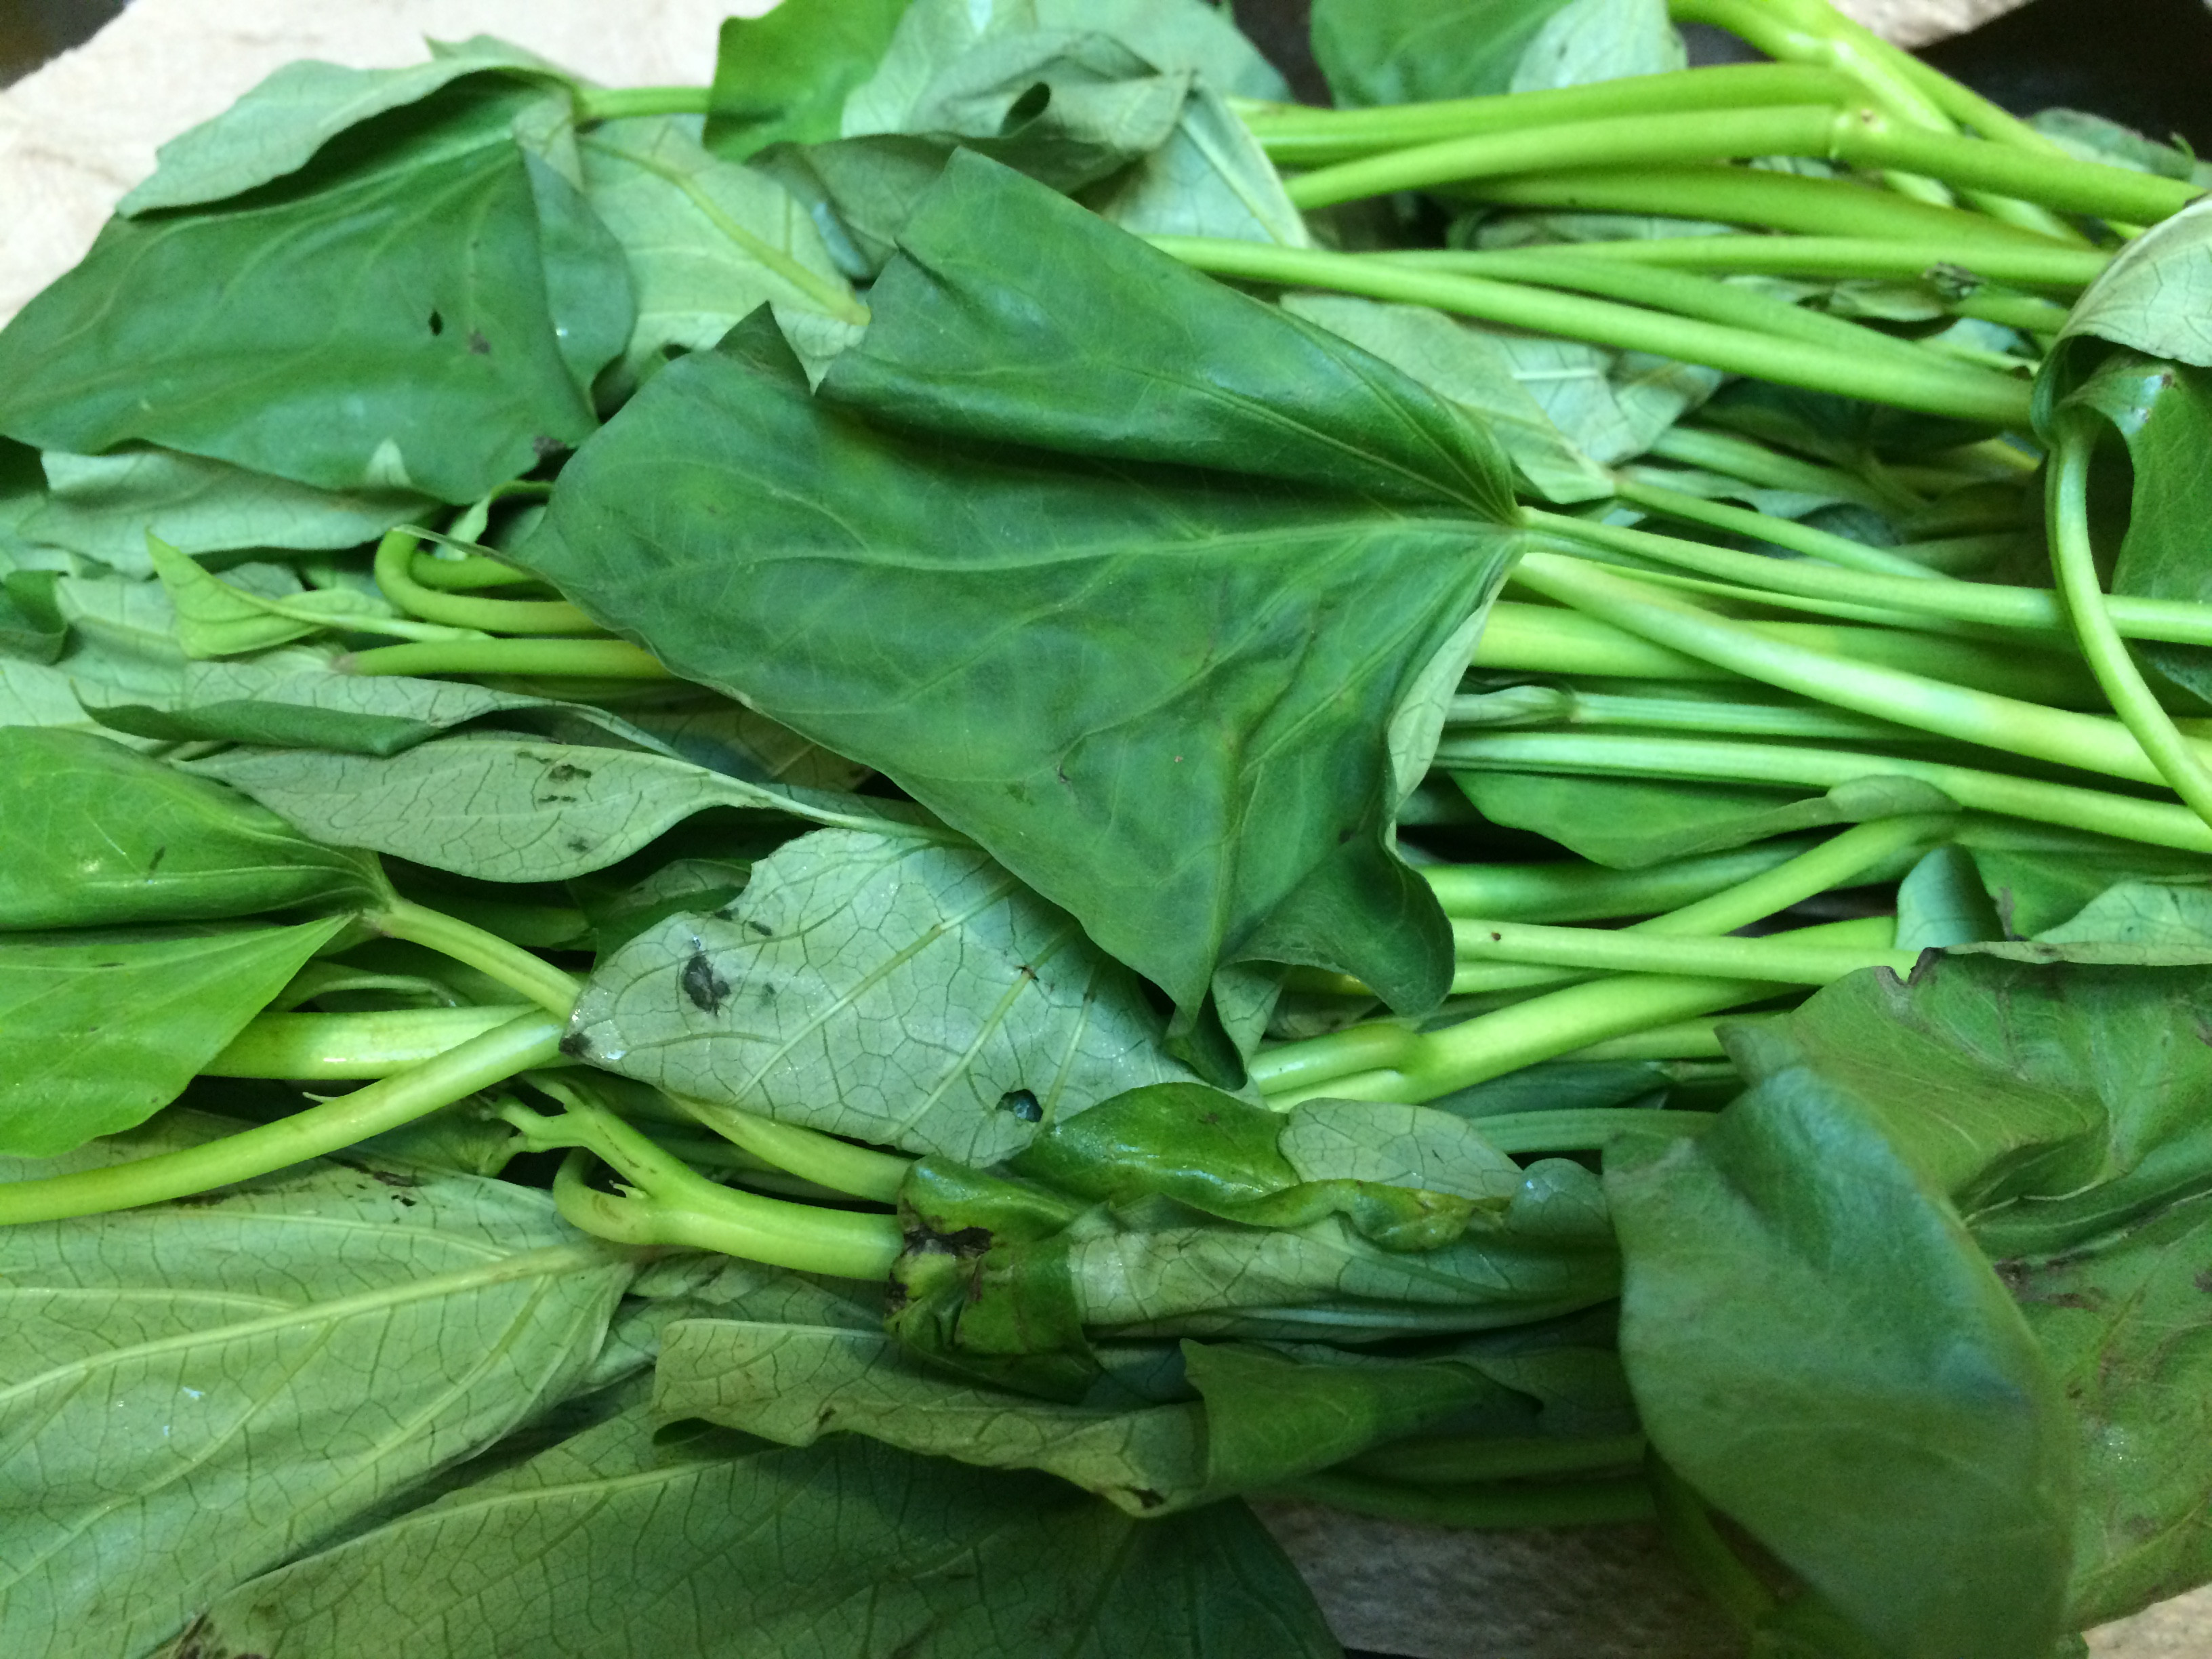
(784, 77)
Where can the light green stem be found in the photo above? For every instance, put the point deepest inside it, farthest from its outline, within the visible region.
(1573, 891)
(1625, 951)
(1754, 463)
(2037, 609)
(1861, 138)
(675, 1206)
(1297, 135)
(1640, 491)
(599, 659)
(303, 1047)
(2062, 737)
(395, 558)
(620, 103)
(824, 1159)
(1937, 388)
(1845, 256)
(1686, 1039)
(1756, 196)
(2156, 823)
(1585, 1129)
(1564, 705)
(2073, 560)
(514, 967)
(465, 574)
(532, 1040)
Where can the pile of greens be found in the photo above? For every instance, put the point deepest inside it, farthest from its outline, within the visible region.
(779, 876)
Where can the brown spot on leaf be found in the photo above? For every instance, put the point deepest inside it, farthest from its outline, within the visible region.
(478, 346)
(703, 987)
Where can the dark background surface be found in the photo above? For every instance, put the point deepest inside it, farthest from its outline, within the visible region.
(2146, 62)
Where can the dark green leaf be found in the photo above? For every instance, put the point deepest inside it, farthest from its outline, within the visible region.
(2153, 297)
(2035, 892)
(1630, 823)
(97, 834)
(783, 78)
(101, 1029)
(31, 625)
(2125, 1325)
(394, 303)
(1942, 902)
(1818, 1347)
(287, 1357)
(1261, 636)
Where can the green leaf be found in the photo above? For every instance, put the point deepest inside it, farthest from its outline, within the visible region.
(31, 625)
(101, 1029)
(615, 1542)
(2095, 138)
(1818, 1347)
(394, 301)
(707, 241)
(2036, 891)
(1209, 177)
(1400, 52)
(511, 809)
(1470, 369)
(1941, 902)
(105, 506)
(1628, 824)
(1007, 1015)
(2123, 1324)
(2155, 296)
(226, 618)
(288, 1356)
(1169, 35)
(287, 118)
(783, 78)
(97, 834)
(1261, 636)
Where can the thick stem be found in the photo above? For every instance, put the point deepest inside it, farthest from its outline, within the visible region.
(465, 574)
(2125, 817)
(1639, 491)
(675, 1206)
(1573, 891)
(1570, 708)
(1625, 951)
(1587, 1129)
(1686, 1039)
(599, 659)
(2087, 742)
(1295, 135)
(2036, 610)
(395, 558)
(1755, 196)
(1844, 257)
(2073, 560)
(304, 1047)
(532, 1040)
(824, 1159)
(514, 967)
(1938, 388)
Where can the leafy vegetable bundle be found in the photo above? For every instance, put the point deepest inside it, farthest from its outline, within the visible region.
(781, 875)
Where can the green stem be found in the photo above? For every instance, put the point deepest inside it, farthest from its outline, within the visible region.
(1454, 1460)
(1769, 200)
(1624, 950)
(1584, 1129)
(1752, 462)
(1844, 257)
(1861, 138)
(1508, 1505)
(1685, 294)
(826, 294)
(301, 1047)
(461, 1071)
(606, 659)
(2038, 609)
(1557, 706)
(487, 953)
(2074, 561)
(1686, 1039)
(395, 558)
(2125, 817)
(1573, 891)
(620, 103)
(1639, 491)
(2089, 743)
(824, 1159)
(1541, 639)
(465, 574)
(1297, 135)
(1938, 388)
(2024, 312)
(675, 1206)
